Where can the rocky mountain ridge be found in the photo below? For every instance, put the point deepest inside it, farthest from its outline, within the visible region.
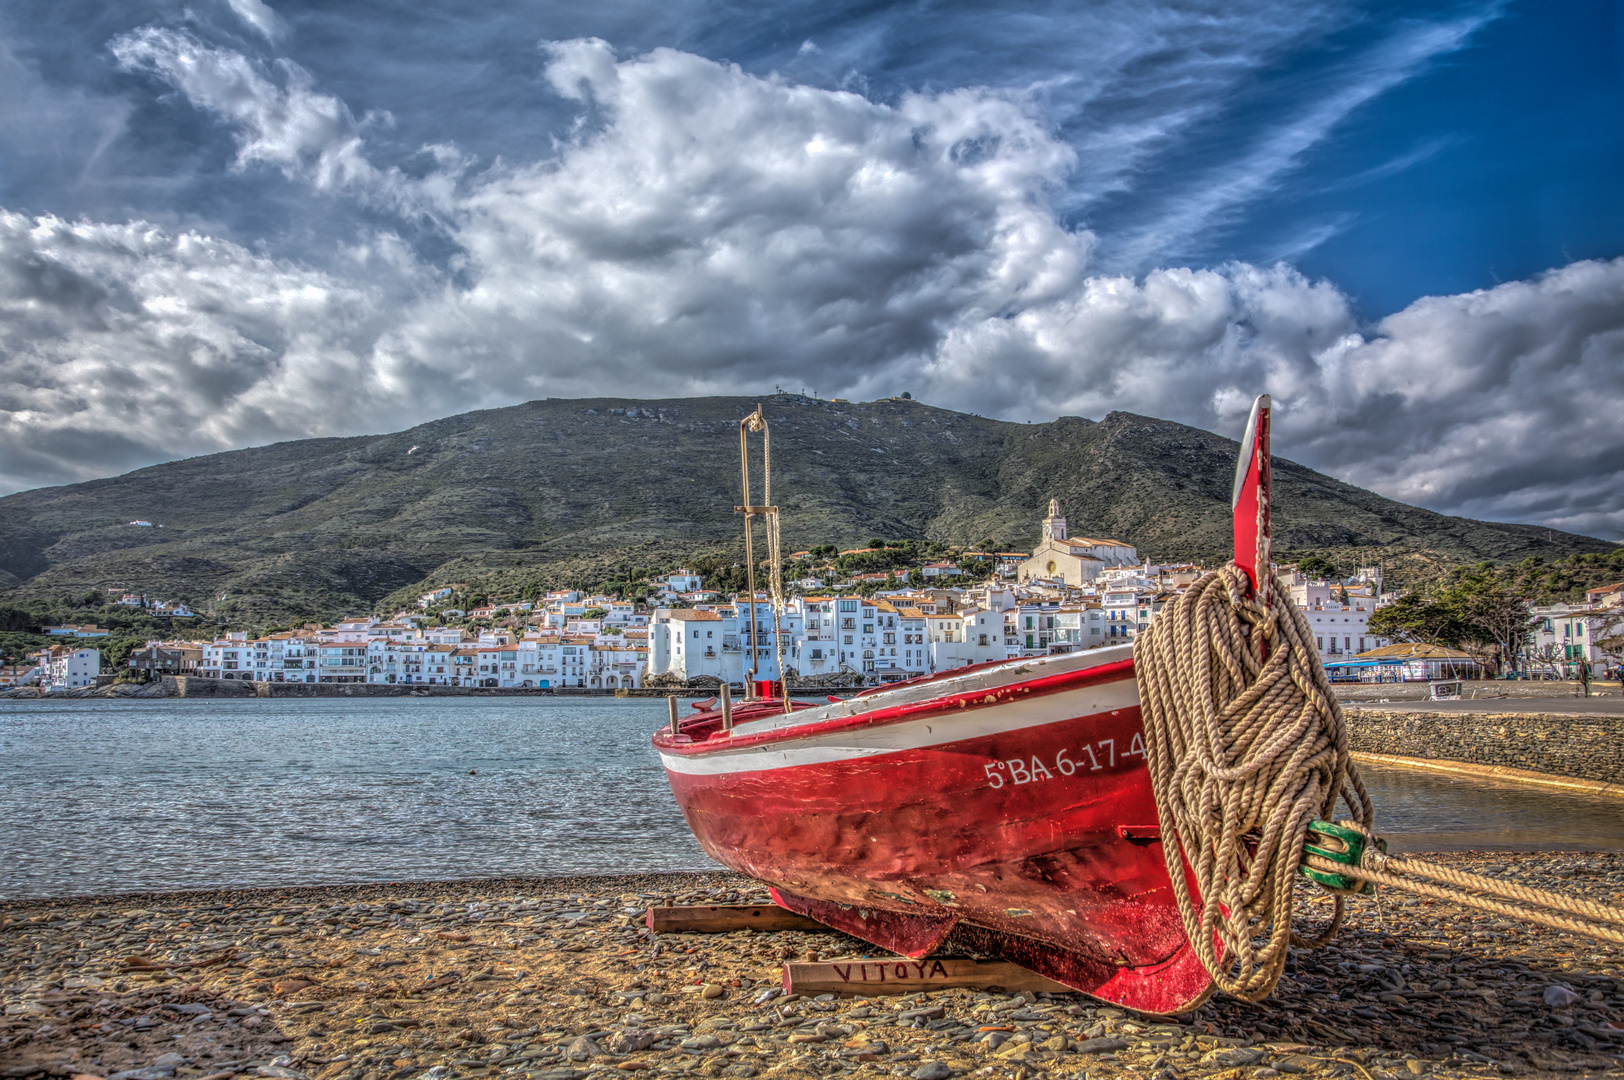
(569, 488)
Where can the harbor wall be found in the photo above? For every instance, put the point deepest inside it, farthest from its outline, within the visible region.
(1587, 748)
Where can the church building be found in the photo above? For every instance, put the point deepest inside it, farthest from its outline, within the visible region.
(1074, 561)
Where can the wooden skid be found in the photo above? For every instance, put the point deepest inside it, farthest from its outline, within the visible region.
(900, 975)
(726, 918)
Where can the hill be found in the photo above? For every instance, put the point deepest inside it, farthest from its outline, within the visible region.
(587, 490)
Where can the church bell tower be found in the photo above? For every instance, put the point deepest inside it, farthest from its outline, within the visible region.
(1054, 526)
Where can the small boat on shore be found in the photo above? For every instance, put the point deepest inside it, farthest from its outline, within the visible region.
(1008, 804)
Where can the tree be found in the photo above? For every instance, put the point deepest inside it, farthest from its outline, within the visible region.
(1317, 566)
(1414, 618)
(975, 568)
(1496, 611)
(118, 649)
(1475, 610)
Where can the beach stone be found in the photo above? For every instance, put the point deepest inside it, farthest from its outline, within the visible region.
(583, 1049)
(630, 1042)
(932, 1070)
(1234, 1057)
(168, 1061)
(1105, 1044)
(1557, 996)
(712, 991)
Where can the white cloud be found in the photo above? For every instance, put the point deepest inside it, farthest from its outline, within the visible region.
(281, 122)
(125, 344)
(706, 230)
(260, 18)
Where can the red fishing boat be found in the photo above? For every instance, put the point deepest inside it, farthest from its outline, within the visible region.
(1008, 804)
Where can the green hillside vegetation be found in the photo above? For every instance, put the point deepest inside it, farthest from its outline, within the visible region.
(583, 493)
(22, 626)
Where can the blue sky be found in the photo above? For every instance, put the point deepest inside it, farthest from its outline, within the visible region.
(1401, 219)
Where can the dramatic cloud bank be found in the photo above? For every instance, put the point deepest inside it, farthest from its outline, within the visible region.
(708, 230)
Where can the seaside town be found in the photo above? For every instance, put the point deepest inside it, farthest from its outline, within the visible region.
(1069, 593)
(843, 541)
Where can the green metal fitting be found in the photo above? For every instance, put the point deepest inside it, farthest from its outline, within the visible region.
(1342, 845)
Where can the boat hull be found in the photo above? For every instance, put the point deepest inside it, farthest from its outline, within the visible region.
(1018, 813)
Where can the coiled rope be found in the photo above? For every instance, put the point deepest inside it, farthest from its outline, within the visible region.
(1247, 749)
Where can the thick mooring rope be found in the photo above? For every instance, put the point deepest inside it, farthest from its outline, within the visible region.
(1516, 901)
(1246, 749)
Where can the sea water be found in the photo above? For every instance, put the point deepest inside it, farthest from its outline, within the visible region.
(120, 796)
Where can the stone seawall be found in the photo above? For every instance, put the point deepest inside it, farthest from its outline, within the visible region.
(1578, 747)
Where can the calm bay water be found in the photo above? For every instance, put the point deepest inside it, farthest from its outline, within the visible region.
(123, 796)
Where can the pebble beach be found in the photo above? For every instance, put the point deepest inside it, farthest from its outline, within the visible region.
(559, 979)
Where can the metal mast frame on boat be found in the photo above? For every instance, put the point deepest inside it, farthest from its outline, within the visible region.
(758, 422)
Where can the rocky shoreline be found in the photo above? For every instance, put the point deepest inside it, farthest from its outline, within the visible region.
(557, 979)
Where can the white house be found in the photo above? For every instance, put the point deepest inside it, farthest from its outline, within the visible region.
(20, 675)
(63, 668)
(432, 597)
(1565, 636)
(979, 639)
(681, 583)
(1341, 630)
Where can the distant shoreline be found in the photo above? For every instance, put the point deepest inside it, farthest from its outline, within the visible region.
(170, 688)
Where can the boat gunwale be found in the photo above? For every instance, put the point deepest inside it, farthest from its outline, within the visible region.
(685, 745)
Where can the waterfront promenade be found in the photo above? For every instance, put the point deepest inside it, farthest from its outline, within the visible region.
(558, 980)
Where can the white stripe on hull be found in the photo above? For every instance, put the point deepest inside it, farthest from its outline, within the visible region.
(946, 727)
